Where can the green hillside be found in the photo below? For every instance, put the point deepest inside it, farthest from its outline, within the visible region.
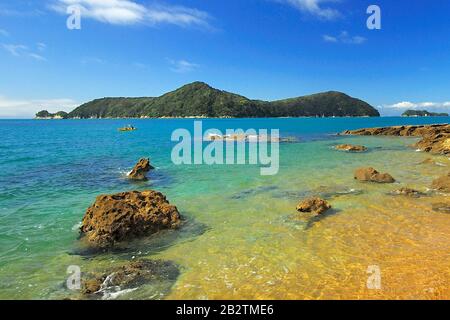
(200, 100)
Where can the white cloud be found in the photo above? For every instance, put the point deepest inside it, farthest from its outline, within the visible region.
(328, 38)
(92, 60)
(12, 108)
(20, 50)
(4, 33)
(128, 12)
(315, 8)
(41, 46)
(36, 56)
(15, 49)
(400, 107)
(344, 37)
(182, 66)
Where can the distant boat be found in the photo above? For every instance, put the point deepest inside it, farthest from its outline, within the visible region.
(127, 128)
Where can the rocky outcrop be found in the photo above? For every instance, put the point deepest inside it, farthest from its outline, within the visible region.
(435, 143)
(408, 192)
(313, 205)
(435, 138)
(350, 148)
(141, 169)
(129, 277)
(123, 216)
(442, 183)
(371, 175)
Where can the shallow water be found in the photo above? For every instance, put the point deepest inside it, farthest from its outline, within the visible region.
(242, 238)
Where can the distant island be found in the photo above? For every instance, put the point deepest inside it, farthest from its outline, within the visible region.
(45, 115)
(199, 100)
(422, 113)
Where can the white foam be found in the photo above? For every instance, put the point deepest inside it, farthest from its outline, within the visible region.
(77, 226)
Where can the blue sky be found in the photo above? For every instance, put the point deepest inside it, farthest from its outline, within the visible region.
(263, 49)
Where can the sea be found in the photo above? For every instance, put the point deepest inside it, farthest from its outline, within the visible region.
(241, 236)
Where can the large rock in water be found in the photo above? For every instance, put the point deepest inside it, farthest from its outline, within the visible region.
(372, 175)
(126, 215)
(442, 183)
(141, 169)
(313, 205)
(350, 148)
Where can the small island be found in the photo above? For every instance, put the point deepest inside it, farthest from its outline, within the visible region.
(422, 113)
(45, 115)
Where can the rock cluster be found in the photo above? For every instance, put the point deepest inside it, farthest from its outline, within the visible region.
(435, 138)
(123, 216)
(371, 175)
(313, 205)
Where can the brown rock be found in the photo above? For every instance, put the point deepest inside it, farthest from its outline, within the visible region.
(313, 205)
(140, 170)
(442, 183)
(130, 276)
(350, 148)
(408, 192)
(122, 216)
(372, 175)
(91, 286)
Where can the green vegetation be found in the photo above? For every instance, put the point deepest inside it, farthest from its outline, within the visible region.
(44, 114)
(422, 113)
(200, 100)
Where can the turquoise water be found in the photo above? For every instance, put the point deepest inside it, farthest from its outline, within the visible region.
(242, 234)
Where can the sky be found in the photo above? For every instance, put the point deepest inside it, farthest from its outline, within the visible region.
(262, 49)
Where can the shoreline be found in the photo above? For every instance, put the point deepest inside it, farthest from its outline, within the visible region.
(206, 118)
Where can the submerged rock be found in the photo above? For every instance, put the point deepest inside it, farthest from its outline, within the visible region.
(428, 161)
(408, 192)
(350, 148)
(141, 169)
(126, 215)
(372, 175)
(129, 277)
(441, 207)
(313, 205)
(442, 183)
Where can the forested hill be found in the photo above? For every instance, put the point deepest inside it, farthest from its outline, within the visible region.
(200, 100)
